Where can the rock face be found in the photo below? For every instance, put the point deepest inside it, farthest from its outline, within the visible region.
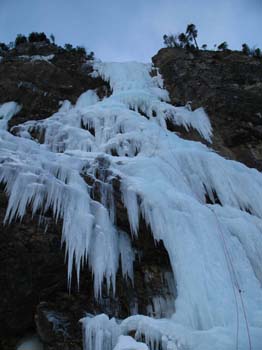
(33, 271)
(32, 268)
(41, 81)
(229, 86)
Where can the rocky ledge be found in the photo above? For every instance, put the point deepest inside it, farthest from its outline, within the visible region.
(228, 85)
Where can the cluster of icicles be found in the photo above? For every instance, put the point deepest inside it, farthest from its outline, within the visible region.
(164, 179)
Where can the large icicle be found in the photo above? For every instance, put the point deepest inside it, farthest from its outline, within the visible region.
(100, 332)
(163, 178)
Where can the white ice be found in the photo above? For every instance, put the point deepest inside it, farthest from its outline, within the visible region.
(7, 111)
(163, 178)
(129, 343)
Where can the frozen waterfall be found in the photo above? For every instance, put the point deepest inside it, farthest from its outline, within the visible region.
(164, 179)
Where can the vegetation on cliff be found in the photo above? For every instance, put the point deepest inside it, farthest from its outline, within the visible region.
(188, 41)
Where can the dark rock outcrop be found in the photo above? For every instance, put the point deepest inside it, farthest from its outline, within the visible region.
(228, 85)
(32, 268)
(39, 85)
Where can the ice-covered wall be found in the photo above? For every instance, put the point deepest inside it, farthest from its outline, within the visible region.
(214, 250)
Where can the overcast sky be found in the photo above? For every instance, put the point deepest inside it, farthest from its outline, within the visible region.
(132, 29)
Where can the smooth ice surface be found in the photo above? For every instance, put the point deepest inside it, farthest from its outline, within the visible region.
(214, 250)
(129, 343)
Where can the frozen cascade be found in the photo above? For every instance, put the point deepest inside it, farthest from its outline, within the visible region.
(163, 178)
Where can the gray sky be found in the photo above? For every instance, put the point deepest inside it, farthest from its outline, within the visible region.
(132, 29)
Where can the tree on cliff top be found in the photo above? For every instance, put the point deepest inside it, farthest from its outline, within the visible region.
(37, 37)
(183, 40)
(246, 49)
(191, 32)
(52, 37)
(171, 40)
(20, 39)
(223, 46)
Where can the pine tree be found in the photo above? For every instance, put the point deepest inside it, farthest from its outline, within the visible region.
(191, 32)
(223, 46)
(20, 39)
(183, 40)
(52, 37)
(257, 53)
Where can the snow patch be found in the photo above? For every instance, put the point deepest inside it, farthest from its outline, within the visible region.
(35, 58)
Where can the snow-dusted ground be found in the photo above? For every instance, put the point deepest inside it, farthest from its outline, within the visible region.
(214, 250)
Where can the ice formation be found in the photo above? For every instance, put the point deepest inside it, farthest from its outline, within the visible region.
(129, 343)
(7, 111)
(214, 249)
(30, 343)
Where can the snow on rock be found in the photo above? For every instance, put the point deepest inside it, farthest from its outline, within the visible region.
(42, 58)
(34, 58)
(164, 179)
(7, 111)
(58, 321)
